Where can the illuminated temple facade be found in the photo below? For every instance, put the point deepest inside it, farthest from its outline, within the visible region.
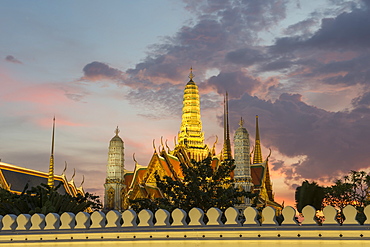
(250, 174)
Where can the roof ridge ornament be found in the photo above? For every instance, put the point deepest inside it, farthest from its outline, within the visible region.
(65, 168)
(133, 157)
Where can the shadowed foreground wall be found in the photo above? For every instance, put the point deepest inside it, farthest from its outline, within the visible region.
(165, 229)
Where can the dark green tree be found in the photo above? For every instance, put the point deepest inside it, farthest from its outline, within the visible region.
(309, 194)
(203, 187)
(43, 199)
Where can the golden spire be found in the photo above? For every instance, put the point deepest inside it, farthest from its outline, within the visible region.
(227, 145)
(191, 135)
(257, 157)
(51, 165)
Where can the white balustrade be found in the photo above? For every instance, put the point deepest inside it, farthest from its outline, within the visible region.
(113, 219)
(196, 217)
(82, 220)
(129, 217)
(98, 220)
(179, 217)
(38, 222)
(232, 217)
(52, 221)
(269, 216)
(145, 218)
(214, 217)
(68, 221)
(23, 222)
(251, 217)
(162, 217)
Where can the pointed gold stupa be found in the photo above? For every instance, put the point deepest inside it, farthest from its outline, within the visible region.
(191, 135)
(227, 146)
(51, 164)
(257, 156)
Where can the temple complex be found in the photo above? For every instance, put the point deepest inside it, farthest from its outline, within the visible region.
(250, 174)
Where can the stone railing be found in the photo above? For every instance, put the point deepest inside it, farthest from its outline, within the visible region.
(162, 227)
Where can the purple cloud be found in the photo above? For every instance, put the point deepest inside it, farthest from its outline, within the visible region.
(96, 71)
(331, 142)
(12, 59)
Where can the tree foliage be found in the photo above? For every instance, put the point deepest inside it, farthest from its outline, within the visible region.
(203, 187)
(43, 199)
(309, 194)
(352, 189)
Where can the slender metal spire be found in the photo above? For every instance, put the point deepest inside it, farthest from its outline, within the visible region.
(116, 131)
(227, 145)
(257, 157)
(51, 165)
(191, 75)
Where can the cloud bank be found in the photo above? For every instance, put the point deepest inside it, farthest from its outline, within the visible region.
(271, 79)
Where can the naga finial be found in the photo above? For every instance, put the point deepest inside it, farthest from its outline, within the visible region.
(133, 157)
(155, 150)
(65, 167)
(74, 173)
(168, 148)
(83, 180)
(162, 142)
(269, 154)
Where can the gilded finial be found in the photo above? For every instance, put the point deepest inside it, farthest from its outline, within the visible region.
(83, 180)
(269, 154)
(191, 75)
(155, 150)
(168, 148)
(116, 131)
(65, 167)
(162, 142)
(241, 122)
(74, 174)
(133, 157)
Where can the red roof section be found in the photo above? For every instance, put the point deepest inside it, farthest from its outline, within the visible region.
(128, 179)
(257, 174)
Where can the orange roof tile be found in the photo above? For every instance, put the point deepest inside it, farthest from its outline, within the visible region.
(165, 166)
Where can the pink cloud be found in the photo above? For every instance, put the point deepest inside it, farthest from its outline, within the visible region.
(44, 94)
(60, 121)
